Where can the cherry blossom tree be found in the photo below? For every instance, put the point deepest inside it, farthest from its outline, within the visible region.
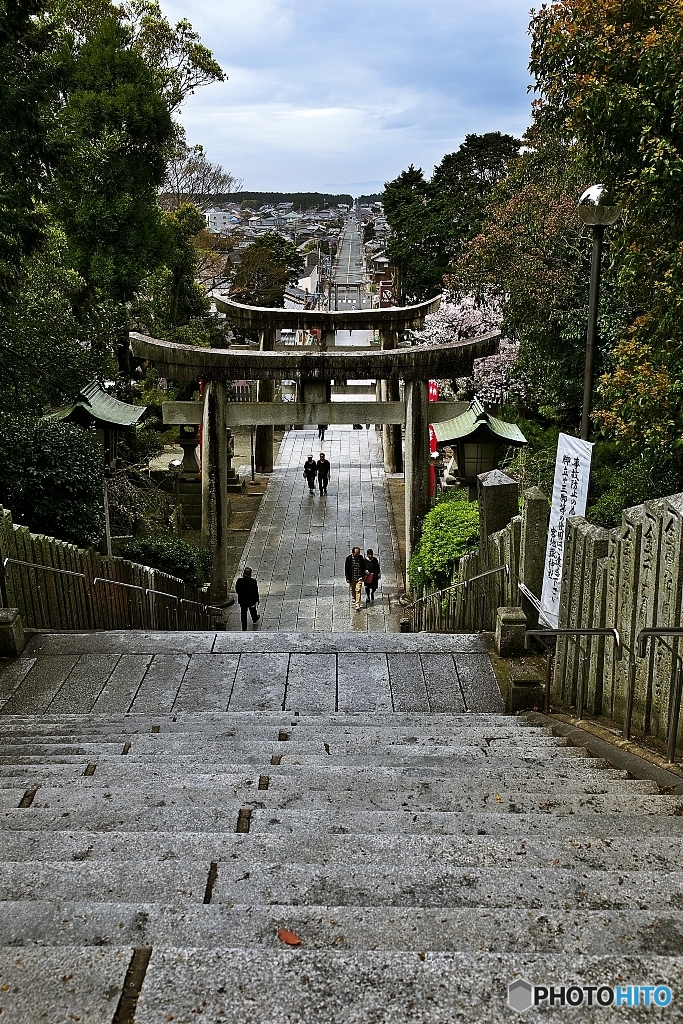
(459, 320)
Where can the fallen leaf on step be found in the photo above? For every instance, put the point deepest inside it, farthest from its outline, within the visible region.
(499, 798)
(422, 956)
(284, 935)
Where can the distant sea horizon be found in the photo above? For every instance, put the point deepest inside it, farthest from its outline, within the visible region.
(354, 188)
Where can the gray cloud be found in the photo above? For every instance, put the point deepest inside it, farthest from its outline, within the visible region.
(322, 92)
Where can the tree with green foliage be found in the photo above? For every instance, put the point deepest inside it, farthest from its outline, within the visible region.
(51, 479)
(172, 304)
(47, 353)
(607, 77)
(114, 132)
(432, 220)
(267, 266)
(533, 258)
(29, 92)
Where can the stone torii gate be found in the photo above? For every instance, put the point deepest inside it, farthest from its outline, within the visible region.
(314, 368)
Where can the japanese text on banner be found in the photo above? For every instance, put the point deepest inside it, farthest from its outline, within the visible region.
(570, 492)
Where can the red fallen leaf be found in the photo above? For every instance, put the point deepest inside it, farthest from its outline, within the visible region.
(284, 935)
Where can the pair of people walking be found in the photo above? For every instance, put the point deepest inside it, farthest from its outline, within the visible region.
(320, 469)
(362, 572)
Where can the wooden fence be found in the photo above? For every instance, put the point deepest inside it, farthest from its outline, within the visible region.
(59, 586)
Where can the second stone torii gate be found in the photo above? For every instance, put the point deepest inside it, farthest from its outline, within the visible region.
(314, 368)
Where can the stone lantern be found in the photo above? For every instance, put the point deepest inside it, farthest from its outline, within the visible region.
(478, 441)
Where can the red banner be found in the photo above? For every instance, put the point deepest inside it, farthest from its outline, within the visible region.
(433, 395)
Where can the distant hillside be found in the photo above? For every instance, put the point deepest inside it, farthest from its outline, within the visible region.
(301, 200)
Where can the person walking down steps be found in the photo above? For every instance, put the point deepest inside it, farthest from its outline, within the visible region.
(371, 576)
(310, 472)
(324, 469)
(247, 597)
(354, 569)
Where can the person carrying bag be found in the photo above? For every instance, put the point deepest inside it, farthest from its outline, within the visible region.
(371, 576)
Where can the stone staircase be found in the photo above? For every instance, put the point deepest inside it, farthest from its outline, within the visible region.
(154, 845)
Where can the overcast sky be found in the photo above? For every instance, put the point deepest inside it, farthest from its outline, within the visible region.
(323, 93)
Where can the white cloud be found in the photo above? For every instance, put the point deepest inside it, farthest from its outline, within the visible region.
(320, 91)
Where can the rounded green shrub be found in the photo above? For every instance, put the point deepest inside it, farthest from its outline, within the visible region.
(169, 554)
(449, 531)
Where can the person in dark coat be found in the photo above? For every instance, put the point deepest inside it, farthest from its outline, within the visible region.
(354, 570)
(324, 469)
(247, 597)
(371, 566)
(310, 472)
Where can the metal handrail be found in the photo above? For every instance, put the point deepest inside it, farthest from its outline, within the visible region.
(200, 604)
(99, 581)
(462, 583)
(161, 593)
(46, 568)
(39, 592)
(550, 657)
(655, 633)
(117, 583)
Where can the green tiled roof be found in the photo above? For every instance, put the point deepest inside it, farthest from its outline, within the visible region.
(93, 403)
(477, 422)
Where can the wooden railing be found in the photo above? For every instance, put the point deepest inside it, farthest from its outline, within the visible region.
(59, 586)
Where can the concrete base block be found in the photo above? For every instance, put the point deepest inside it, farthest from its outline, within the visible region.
(526, 689)
(510, 631)
(12, 640)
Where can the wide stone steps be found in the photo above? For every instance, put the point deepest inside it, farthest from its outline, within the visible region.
(240, 984)
(425, 860)
(110, 771)
(337, 883)
(458, 929)
(664, 852)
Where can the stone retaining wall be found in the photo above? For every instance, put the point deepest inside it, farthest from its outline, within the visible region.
(630, 578)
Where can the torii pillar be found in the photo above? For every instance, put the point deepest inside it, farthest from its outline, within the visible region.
(416, 461)
(215, 500)
(263, 446)
(389, 392)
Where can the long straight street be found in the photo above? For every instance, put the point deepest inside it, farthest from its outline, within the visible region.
(348, 271)
(299, 542)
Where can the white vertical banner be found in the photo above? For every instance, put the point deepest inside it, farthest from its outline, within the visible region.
(570, 491)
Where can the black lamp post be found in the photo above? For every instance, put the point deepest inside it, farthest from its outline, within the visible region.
(598, 216)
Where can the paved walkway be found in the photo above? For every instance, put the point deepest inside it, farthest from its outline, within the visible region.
(298, 543)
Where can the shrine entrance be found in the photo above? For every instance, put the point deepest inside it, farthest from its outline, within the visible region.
(314, 369)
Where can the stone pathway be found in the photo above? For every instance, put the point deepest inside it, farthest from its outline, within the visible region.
(298, 543)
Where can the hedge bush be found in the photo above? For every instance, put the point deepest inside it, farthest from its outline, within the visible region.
(170, 555)
(51, 477)
(449, 531)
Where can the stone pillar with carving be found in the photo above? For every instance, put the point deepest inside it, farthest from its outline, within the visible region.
(263, 448)
(215, 501)
(389, 392)
(416, 462)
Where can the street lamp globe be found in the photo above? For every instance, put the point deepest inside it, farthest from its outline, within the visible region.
(595, 208)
